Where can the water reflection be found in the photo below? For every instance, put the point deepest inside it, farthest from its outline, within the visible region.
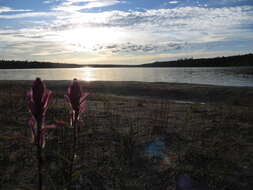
(88, 74)
(229, 76)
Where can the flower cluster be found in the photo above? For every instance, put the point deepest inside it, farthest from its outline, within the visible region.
(37, 100)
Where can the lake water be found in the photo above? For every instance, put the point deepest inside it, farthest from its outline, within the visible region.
(226, 76)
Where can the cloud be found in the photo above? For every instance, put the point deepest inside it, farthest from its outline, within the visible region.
(140, 48)
(191, 24)
(8, 9)
(30, 14)
(120, 33)
(47, 2)
(173, 2)
(77, 5)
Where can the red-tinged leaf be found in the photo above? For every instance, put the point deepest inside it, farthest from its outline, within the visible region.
(30, 101)
(60, 122)
(42, 134)
(72, 117)
(29, 94)
(68, 91)
(83, 101)
(31, 107)
(42, 140)
(46, 98)
(32, 125)
(84, 96)
(82, 107)
(48, 127)
(67, 99)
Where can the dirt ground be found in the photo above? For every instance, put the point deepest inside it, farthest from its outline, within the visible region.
(134, 136)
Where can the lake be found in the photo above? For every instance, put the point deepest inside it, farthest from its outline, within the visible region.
(225, 76)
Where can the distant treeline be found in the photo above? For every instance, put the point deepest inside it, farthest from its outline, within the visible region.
(238, 60)
(12, 64)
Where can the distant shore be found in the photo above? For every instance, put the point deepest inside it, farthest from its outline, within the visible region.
(231, 61)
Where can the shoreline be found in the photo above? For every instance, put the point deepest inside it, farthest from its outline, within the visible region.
(126, 66)
(182, 92)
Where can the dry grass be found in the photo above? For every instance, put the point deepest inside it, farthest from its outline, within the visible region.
(210, 142)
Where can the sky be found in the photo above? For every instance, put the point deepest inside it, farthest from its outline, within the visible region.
(124, 31)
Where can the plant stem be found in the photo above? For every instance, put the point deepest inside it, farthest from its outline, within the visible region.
(73, 150)
(39, 158)
(39, 167)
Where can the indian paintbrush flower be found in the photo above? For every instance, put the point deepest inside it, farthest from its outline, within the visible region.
(76, 98)
(37, 99)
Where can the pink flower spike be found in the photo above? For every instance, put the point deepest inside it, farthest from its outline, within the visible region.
(37, 100)
(74, 95)
(38, 91)
(76, 98)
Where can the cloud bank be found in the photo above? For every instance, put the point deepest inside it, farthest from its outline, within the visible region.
(68, 30)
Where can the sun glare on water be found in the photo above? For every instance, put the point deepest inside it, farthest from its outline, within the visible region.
(89, 39)
(88, 74)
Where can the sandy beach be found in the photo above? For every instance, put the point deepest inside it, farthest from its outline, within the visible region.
(135, 136)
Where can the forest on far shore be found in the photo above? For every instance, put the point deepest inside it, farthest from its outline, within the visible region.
(231, 61)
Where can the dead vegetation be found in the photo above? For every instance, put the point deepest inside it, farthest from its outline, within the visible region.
(129, 143)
